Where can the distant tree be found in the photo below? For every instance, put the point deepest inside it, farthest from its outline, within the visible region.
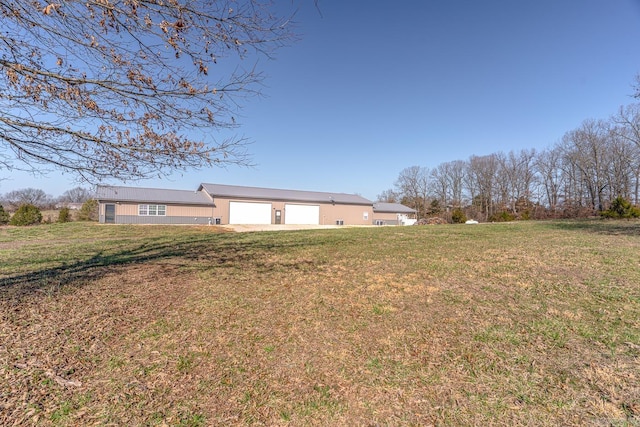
(4, 216)
(76, 195)
(628, 118)
(26, 215)
(548, 167)
(586, 149)
(482, 177)
(128, 89)
(28, 196)
(88, 211)
(516, 177)
(413, 187)
(447, 182)
(388, 196)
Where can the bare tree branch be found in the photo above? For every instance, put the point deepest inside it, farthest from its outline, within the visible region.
(128, 88)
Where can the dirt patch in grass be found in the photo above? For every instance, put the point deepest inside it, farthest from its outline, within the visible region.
(526, 324)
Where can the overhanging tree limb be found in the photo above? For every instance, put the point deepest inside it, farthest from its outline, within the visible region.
(128, 88)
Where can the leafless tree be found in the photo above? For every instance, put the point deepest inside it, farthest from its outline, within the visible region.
(388, 196)
(77, 195)
(128, 88)
(516, 177)
(413, 186)
(447, 182)
(626, 125)
(481, 180)
(548, 166)
(585, 148)
(628, 121)
(32, 196)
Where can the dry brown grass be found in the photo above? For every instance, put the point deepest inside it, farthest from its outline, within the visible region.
(505, 324)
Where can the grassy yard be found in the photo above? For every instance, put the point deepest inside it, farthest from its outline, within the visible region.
(530, 323)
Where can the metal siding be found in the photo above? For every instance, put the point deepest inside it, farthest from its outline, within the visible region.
(385, 216)
(350, 214)
(169, 220)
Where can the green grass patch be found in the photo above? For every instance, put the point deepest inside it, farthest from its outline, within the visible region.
(524, 323)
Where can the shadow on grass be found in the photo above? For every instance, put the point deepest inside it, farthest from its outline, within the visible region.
(600, 226)
(212, 251)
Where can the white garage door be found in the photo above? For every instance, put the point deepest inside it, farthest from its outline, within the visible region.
(301, 214)
(249, 213)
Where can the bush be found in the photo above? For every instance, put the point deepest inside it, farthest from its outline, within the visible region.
(525, 215)
(621, 208)
(503, 216)
(458, 216)
(26, 215)
(4, 216)
(88, 211)
(64, 215)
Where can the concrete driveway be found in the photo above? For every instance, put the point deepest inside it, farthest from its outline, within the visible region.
(243, 228)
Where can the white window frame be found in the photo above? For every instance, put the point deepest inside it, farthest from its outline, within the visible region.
(365, 216)
(152, 210)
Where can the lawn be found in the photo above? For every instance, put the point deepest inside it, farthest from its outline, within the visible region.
(528, 323)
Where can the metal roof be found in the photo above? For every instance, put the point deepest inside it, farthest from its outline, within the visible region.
(257, 193)
(392, 207)
(152, 195)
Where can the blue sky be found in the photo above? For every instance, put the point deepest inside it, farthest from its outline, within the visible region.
(374, 87)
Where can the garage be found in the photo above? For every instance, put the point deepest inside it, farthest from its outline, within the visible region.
(301, 214)
(249, 213)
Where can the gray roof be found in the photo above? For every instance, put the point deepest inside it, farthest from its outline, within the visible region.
(257, 193)
(392, 207)
(152, 195)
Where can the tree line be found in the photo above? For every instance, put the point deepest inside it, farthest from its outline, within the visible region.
(12, 200)
(23, 207)
(591, 168)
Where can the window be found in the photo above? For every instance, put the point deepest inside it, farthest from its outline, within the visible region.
(152, 210)
(365, 216)
(339, 222)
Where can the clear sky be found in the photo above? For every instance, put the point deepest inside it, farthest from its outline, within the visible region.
(374, 87)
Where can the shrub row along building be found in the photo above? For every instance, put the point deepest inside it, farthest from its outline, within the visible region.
(231, 204)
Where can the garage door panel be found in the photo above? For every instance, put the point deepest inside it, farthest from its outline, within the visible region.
(249, 213)
(301, 214)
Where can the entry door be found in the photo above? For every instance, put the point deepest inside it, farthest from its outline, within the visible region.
(110, 214)
(278, 217)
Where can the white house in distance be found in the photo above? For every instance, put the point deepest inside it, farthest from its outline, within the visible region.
(230, 204)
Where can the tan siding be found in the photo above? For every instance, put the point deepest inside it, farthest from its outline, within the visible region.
(280, 207)
(350, 214)
(126, 209)
(329, 213)
(172, 210)
(195, 211)
(386, 216)
(221, 210)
